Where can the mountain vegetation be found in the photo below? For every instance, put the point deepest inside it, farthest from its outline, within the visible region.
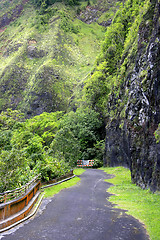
(79, 80)
(49, 144)
(46, 53)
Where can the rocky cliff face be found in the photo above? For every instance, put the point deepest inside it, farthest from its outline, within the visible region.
(130, 137)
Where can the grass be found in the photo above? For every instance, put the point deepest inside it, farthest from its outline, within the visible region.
(78, 171)
(142, 204)
(50, 192)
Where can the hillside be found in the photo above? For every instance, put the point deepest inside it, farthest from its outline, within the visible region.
(45, 53)
(99, 59)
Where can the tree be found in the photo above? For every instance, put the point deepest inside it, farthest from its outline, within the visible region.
(78, 133)
(66, 146)
(12, 167)
(24, 148)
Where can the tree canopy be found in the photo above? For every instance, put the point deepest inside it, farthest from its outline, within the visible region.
(50, 144)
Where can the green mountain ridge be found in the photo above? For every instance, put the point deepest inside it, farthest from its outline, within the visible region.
(44, 56)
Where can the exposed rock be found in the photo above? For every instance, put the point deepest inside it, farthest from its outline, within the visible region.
(106, 23)
(12, 15)
(93, 13)
(33, 52)
(130, 139)
(12, 85)
(46, 96)
(11, 49)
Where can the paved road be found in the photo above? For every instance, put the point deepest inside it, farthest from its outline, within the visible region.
(81, 212)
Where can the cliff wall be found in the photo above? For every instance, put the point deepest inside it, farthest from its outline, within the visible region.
(130, 139)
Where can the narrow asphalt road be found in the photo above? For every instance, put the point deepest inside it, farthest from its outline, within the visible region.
(81, 212)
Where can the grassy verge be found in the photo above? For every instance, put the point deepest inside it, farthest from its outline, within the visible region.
(142, 204)
(78, 171)
(50, 192)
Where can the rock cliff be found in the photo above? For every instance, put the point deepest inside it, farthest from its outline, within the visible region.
(130, 137)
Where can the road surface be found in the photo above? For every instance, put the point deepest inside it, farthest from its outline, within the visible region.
(81, 212)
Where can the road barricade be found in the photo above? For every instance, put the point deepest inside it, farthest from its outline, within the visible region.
(85, 163)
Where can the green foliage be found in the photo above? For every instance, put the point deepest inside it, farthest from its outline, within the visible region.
(5, 136)
(67, 23)
(42, 62)
(50, 167)
(99, 149)
(13, 165)
(24, 149)
(157, 134)
(113, 45)
(56, 53)
(10, 119)
(44, 125)
(45, 3)
(77, 135)
(49, 144)
(66, 145)
(141, 204)
(96, 88)
(111, 67)
(35, 138)
(97, 163)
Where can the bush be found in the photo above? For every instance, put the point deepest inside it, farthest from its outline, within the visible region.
(97, 163)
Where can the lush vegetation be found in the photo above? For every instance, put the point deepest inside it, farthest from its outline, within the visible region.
(79, 136)
(51, 191)
(45, 3)
(117, 56)
(157, 134)
(47, 69)
(142, 204)
(50, 144)
(43, 57)
(45, 54)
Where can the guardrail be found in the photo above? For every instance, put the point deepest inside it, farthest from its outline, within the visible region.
(11, 208)
(15, 193)
(16, 205)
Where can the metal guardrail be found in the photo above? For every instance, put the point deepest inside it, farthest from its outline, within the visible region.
(16, 204)
(15, 193)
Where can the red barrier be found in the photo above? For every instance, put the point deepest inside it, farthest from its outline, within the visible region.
(85, 163)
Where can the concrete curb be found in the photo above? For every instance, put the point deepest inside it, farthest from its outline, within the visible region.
(53, 184)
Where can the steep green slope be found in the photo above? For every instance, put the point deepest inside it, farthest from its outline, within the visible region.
(44, 54)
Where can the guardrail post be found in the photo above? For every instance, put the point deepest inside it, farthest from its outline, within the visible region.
(26, 202)
(5, 198)
(7, 210)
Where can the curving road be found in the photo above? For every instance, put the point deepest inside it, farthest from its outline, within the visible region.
(81, 212)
